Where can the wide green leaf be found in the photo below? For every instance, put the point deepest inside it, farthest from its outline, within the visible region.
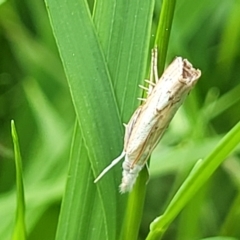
(89, 60)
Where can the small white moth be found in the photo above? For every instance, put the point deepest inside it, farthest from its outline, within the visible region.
(150, 120)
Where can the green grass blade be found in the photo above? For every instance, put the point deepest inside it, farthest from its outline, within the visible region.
(231, 225)
(125, 45)
(81, 205)
(219, 238)
(199, 175)
(127, 67)
(134, 208)
(163, 31)
(91, 90)
(19, 232)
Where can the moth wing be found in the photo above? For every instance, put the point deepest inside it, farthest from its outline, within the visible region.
(174, 70)
(149, 144)
(130, 125)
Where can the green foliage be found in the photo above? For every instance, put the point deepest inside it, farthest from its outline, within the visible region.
(104, 49)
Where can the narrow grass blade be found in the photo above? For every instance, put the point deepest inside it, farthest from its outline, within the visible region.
(163, 31)
(199, 175)
(19, 232)
(134, 208)
(230, 226)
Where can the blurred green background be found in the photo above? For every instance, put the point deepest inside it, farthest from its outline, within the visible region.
(34, 92)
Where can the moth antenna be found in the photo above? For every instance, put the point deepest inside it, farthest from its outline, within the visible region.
(143, 87)
(142, 99)
(113, 163)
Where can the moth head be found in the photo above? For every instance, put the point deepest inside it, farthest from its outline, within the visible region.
(190, 73)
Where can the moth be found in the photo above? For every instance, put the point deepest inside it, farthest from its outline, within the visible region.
(150, 120)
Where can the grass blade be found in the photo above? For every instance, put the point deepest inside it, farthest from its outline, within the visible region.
(90, 85)
(163, 31)
(19, 232)
(126, 48)
(199, 175)
(75, 218)
(83, 59)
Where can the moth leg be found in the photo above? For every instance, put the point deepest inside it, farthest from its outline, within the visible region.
(151, 79)
(142, 99)
(154, 70)
(143, 87)
(150, 83)
(153, 73)
(155, 67)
